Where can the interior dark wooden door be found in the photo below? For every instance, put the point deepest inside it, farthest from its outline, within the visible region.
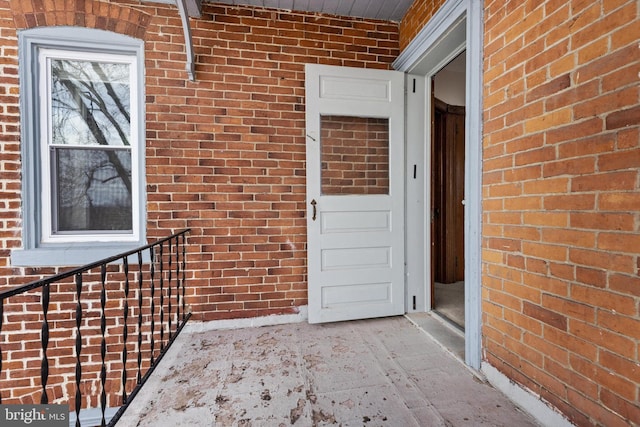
(447, 180)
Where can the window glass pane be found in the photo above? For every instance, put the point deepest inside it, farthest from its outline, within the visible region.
(90, 103)
(354, 155)
(92, 189)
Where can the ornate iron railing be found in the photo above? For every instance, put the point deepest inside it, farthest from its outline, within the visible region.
(79, 334)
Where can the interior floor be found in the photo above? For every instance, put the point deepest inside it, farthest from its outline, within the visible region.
(449, 302)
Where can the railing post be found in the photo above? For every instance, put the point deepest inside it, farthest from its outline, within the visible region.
(44, 367)
(177, 245)
(125, 330)
(184, 277)
(1, 322)
(103, 342)
(170, 255)
(78, 402)
(161, 298)
(140, 279)
(152, 272)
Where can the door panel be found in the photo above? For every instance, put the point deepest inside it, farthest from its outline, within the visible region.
(355, 162)
(355, 221)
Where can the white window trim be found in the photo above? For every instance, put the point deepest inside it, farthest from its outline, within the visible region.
(46, 131)
(38, 249)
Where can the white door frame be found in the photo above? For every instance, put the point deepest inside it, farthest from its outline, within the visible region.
(355, 242)
(429, 51)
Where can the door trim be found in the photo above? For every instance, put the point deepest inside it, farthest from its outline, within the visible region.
(424, 56)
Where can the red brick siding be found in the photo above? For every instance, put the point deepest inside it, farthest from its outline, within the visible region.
(420, 12)
(560, 190)
(10, 186)
(354, 155)
(561, 150)
(225, 155)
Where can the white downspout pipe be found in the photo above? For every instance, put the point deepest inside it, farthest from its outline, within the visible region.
(188, 43)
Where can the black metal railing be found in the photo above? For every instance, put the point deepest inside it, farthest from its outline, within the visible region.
(80, 332)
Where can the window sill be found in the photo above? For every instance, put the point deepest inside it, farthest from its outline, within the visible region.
(71, 256)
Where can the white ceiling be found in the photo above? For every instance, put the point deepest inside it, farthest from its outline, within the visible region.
(387, 10)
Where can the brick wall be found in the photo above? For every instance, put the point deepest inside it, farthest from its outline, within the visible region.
(420, 12)
(225, 155)
(561, 150)
(561, 294)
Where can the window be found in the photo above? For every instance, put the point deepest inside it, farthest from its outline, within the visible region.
(87, 148)
(82, 145)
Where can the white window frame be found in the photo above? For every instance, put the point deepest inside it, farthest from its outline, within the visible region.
(40, 246)
(47, 233)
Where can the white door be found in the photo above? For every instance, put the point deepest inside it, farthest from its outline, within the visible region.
(355, 194)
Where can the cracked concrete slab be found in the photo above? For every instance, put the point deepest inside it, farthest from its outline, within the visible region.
(379, 372)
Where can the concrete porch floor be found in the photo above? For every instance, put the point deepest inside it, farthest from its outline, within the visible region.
(380, 372)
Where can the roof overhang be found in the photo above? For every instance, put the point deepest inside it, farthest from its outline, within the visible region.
(194, 8)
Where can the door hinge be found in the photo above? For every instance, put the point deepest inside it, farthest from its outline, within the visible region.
(414, 302)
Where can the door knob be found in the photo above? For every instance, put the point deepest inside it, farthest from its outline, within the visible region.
(314, 203)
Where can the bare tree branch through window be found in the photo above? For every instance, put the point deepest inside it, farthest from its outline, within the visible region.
(90, 145)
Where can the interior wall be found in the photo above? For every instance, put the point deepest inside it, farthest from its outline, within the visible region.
(450, 82)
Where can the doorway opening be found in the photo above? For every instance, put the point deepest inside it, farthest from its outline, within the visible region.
(457, 27)
(447, 191)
